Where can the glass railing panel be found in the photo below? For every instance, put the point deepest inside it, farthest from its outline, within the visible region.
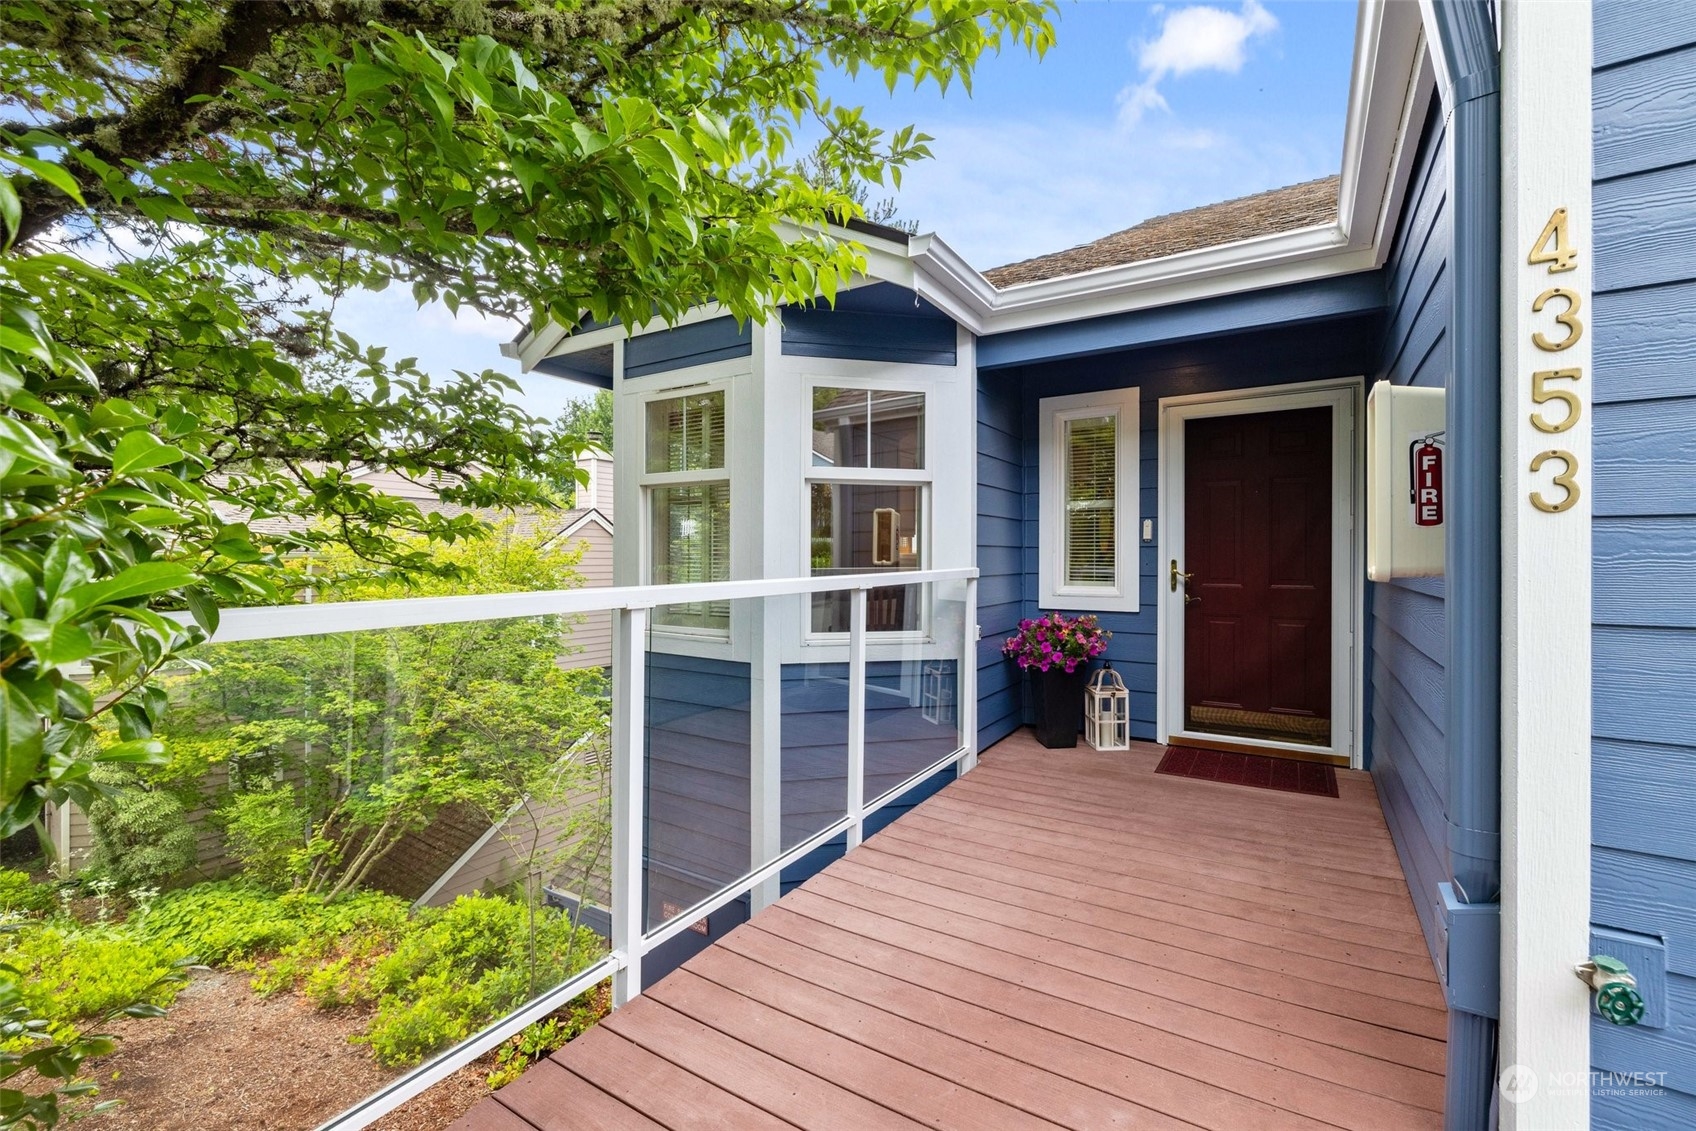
(913, 684)
(396, 836)
(746, 747)
(699, 719)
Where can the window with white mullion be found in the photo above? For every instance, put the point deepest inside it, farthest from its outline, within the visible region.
(867, 501)
(1088, 502)
(686, 497)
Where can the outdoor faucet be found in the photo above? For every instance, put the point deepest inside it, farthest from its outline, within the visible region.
(1616, 993)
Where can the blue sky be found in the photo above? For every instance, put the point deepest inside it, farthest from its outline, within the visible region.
(1139, 109)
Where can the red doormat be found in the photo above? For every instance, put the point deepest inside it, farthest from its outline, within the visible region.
(1249, 769)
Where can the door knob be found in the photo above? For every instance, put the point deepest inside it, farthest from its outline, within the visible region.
(1178, 575)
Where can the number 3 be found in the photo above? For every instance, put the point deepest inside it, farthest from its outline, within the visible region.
(1568, 318)
(1564, 479)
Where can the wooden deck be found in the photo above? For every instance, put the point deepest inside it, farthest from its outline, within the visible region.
(1059, 939)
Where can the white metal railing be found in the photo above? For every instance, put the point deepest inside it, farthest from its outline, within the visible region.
(631, 941)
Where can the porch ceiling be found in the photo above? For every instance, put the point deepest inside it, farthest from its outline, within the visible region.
(1060, 938)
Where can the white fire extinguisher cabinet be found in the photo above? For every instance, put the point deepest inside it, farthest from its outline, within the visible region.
(1407, 501)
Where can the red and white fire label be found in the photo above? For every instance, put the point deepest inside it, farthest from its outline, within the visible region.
(1427, 486)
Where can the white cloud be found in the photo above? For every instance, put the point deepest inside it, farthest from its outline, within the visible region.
(1198, 38)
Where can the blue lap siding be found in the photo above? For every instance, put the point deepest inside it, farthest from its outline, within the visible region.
(1643, 766)
(1009, 470)
(1407, 619)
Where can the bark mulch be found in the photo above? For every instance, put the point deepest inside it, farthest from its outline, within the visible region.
(224, 1058)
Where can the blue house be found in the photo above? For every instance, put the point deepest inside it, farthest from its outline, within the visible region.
(1393, 471)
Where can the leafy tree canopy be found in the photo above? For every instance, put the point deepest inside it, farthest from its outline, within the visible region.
(189, 185)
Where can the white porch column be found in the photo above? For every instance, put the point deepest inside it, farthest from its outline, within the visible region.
(1546, 172)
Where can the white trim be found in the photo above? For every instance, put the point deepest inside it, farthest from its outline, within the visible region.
(1348, 550)
(594, 517)
(1546, 574)
(1054, 413)
(326, 618)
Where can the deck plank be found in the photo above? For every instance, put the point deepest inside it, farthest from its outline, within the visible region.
(865, 1005)
(1059, 938)
(883, 1076)
(550, 1097)
(1126, 888)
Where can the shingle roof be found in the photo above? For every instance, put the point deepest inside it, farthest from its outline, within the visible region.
(1263, 214)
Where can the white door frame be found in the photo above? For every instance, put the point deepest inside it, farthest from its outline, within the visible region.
(1343, 396)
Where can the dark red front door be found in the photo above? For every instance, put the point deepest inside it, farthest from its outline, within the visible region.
(1257, 535)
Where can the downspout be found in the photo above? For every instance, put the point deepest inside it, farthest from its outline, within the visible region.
(1472, 567)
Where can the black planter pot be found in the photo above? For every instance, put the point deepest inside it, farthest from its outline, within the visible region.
(1060, 706)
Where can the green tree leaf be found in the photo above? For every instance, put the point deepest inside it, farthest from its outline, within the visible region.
(140, 450)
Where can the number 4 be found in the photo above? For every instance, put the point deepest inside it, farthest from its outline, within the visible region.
(1561, 256)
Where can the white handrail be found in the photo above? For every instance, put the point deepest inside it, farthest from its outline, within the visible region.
(326, 617)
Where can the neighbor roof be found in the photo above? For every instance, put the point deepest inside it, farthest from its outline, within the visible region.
(1263, 214)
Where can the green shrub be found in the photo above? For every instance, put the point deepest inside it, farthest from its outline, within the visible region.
(266, 830)
(230, 921)
(20, 895)
(222, 922)
(71, 973)
(544, 1037)
(437, 1010)
(462, 966)
(142, 836)
(39, 1068)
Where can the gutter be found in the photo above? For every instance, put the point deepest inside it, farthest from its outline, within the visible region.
(1469, 71)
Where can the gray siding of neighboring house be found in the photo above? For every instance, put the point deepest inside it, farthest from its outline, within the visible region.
(1407, 634)
(592, 632)
(212, 856)
(552, 838)
(1643, 767)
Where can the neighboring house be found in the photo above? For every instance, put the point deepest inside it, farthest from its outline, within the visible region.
(1171, 432)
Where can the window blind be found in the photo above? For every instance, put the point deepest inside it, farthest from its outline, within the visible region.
(686, 433)
(1090, 537)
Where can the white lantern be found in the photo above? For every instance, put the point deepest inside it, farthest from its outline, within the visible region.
(1107, 712)
(936, 694)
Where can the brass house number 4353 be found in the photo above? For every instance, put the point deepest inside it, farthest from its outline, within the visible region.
(1553, 248)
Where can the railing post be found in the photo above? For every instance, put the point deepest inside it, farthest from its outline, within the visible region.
(765, 752)
(629, 731)
(856, 715)
(967, 682)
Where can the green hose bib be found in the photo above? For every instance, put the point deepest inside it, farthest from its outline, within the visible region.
(1617, 998)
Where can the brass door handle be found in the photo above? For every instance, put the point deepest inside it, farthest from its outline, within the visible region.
(1177, 576)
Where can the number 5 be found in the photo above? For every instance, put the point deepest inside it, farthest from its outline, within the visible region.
(1568, 318)
(1542, 394)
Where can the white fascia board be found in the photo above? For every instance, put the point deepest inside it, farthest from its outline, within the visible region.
(1388, 45)
(943, 276)
(593, 517)
(557, 341)
(1168, 290)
